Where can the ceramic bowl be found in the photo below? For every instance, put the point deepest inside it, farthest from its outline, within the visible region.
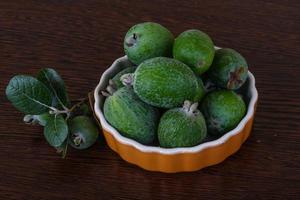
(172, 160)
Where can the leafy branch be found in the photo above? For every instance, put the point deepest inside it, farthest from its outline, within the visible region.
(44, 101)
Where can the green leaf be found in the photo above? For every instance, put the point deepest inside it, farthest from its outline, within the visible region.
(56, 130)
(43, 118)
(28, 95)
(55, 84)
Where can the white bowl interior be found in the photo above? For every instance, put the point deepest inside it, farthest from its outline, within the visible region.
(248, 89)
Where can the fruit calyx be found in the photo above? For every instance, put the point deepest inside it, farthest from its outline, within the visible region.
(77, 139)
(235, 78)
(132, 40)
(127, 79)
(200, 63)
(190, 108)
(110, 89)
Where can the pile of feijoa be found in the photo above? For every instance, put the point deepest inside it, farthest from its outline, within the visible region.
(165, 95)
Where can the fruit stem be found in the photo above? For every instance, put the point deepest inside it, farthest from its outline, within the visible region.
(56, 111)
(80, 99)
(67, 111)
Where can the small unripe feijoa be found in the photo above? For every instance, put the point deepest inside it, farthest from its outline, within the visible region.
(229, 69)
(147, 40)
(83, 132)
(223, 110)
(194, 48)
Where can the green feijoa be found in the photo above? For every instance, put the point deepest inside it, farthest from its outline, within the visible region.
(229, 69)
(116, 78)
(201, 91)
(147, 40)
(165, 82)
(223, 110)
(182, 127)
(194, 48)
(83, 132)
(130, 116)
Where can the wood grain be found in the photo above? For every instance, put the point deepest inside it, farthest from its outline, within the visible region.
(81, 38)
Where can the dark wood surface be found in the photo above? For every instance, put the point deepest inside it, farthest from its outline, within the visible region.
(81, 38)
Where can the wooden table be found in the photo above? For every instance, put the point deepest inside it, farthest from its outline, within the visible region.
(81, 38)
